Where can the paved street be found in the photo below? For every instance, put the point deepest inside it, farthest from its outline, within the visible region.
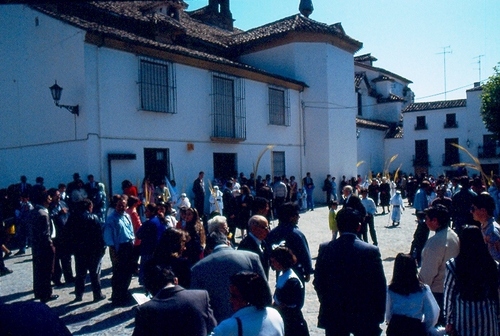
(88, 318)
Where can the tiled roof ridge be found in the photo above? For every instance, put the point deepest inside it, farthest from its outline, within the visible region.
(96, 28)
(295, 22)
(435, 105)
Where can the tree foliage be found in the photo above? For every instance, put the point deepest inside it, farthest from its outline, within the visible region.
(490, 108)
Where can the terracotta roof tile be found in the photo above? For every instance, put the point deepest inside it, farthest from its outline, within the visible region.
(112, 32)
(437, 105)
(294, 23)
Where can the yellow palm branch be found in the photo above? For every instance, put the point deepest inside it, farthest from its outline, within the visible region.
(256, 166)
(475, 166)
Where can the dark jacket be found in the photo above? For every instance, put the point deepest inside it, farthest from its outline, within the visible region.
(175, 311)
(350, 282)
(249, 244)
(85, 231)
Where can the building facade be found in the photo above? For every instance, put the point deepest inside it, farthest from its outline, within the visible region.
(163, 92)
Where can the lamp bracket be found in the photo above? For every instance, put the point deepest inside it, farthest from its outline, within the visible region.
(73, 109)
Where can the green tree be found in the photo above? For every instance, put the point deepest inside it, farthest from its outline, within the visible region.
(490, 108)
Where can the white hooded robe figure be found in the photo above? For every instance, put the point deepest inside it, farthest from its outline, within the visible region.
(397, 206)
(215, 199)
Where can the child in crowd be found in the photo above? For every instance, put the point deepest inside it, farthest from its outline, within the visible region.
(332, 218)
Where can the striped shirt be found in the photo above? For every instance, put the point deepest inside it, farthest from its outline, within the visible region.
(469, 318)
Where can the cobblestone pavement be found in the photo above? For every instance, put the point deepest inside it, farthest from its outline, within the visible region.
(89, 318)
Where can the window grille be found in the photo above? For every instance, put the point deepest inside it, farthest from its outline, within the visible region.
(228, 107)
(157, 86)
(279, 106)
(279, 168)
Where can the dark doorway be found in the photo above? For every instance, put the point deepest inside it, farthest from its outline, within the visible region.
(157, 164)
(225, 166)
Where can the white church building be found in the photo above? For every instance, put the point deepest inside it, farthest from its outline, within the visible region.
(162, 91)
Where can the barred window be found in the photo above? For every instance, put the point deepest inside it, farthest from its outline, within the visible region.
(279, 107)
(157, 86)
(279, 164)
(228, 108)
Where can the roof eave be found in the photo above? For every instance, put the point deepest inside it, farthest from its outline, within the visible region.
(275, 40)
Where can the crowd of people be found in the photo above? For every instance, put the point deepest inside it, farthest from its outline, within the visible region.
(199, 279)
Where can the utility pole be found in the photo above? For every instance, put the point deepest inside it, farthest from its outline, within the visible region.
(479, 63)
(444, 62)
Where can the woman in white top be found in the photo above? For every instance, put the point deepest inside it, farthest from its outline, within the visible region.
(411, 307)
(250, 300)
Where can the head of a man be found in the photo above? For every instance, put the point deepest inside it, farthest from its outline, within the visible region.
(219, 224)
(120, 202)
(347, 190)
(437, 217)
(288, 214)
(157, 277)
(258, 226)
(260, 206)
(348, 220)
(483, 207)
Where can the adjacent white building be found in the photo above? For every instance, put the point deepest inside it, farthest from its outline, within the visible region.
(431, 128)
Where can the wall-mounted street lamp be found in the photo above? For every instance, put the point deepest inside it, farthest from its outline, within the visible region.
(358, 133)
(56, 91)
(467, 143)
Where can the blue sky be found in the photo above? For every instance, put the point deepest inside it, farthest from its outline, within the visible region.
(407, 37)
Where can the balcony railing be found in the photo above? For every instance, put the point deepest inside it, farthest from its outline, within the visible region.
(421, 160)
(420, 127)
(488, 151)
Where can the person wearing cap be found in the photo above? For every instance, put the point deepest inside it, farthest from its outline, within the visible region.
(438, 249)
(482, 209)
(183, 202)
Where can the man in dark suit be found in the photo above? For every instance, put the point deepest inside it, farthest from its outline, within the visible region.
(258, 229)
(352, 201)
(173, 310)
(350, 282)
(91, 187)
(212, 273)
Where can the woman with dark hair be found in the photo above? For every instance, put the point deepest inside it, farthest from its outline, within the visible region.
(128, 188)
(168, 254)
(244, 204)
(411, 307)
(250, 298)
(290, 292)
(197, 237)
(471, 288)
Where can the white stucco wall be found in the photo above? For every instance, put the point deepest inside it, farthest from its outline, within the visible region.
(43, 140)
(329, 103)
(37, 135)
(371, 149)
